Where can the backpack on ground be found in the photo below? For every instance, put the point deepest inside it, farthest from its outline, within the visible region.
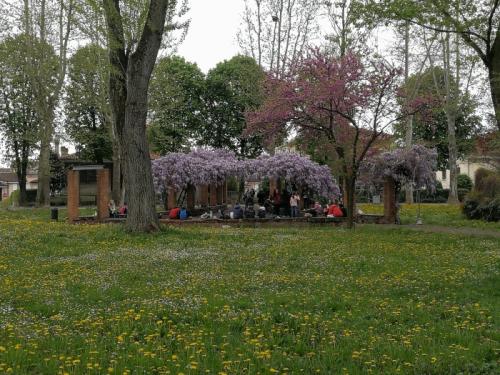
(249, 214)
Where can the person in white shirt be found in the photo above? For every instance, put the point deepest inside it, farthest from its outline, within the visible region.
(294, 204)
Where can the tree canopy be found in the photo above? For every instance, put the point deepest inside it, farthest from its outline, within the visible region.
(431, 127)
(19, 121)
(176, 101)
(233, 88)
(87, 105)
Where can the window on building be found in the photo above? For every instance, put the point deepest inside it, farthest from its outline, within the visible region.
(443, 174)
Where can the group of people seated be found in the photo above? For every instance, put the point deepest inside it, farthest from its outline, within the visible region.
(269, 205)
(284, 204)
(115, 212)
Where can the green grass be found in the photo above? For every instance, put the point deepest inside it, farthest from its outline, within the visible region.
(433, 214)
(92, 299)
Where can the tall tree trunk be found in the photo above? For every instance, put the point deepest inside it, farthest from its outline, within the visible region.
(452, 158)
(129, 81)
(409, 120)
(451, 109)
(259, 32)
(45, 113)
(47, 101)
(43, 189)
(21, 171)
(135, 154)
(117, 175)
(494, 79)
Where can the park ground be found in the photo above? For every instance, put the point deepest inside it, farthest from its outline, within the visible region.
(93, 299)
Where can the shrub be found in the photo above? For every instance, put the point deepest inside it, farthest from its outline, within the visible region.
(471, 206)
(490, 186)
(483, 202)
(480, 175)
(464, 182)
(12, 200)
(491, 210)
(462, 193)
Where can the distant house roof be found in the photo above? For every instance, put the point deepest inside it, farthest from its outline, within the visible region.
(7, 176)
(68, 157)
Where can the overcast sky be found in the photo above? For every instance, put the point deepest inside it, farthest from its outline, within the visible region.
(212, 33)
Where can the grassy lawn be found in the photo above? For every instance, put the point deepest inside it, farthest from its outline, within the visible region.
(92, 299)
(433, 214)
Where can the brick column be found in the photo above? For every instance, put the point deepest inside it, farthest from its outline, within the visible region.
(190, 196)
(213, 195)
(171, 198)
(73, 194)
(273, 185)
(301, 202)
(102, 193)
(224, 192)
(203, 195)
(220, 194)
(389, 201)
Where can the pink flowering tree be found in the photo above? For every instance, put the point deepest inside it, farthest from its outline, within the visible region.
(341, 101)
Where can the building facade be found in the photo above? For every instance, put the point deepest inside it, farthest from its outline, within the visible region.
(10, 183)
(469, 166)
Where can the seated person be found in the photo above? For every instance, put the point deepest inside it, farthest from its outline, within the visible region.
(334, 211)
(249, 213)
(184, 213)
(237, 211)
(343, 209)
(174, 213)
(262, 212)
(261, 197)
(318, 209)
(123, 210)
(113, 212)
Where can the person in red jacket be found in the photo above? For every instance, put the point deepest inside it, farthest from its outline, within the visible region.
(334, 211)
(174, 213)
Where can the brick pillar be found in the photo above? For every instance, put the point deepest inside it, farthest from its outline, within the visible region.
(190, 197)
(273, 184)
(203, 195)
(171, 198)
(102, 194)
(73, 194)
(389, 201)
(224, 192)
(301, 202)
(213, 195)
(220, 194)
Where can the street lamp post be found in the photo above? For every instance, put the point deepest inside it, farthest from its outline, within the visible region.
(419, 217)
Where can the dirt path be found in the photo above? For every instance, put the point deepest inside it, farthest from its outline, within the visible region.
(443, 229)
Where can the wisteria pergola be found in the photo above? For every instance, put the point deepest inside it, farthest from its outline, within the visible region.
(297, 170)
(413, 166)
(208, 171)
